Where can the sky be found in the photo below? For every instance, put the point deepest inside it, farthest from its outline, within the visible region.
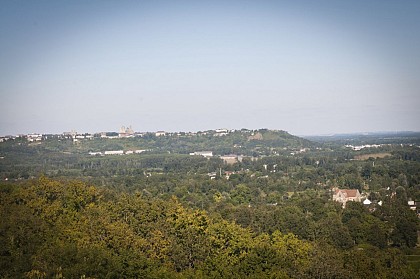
(306, 67)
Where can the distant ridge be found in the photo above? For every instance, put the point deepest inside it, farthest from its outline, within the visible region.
(361, 134)
(378, 137)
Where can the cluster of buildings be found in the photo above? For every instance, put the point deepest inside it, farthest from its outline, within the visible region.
(34, 137)
(346, 195)
(30, 137)
(127, 132)
(206, 154)
(225, 174)
(228, 159)
(117, 152)
(302, 150)
(360, 147)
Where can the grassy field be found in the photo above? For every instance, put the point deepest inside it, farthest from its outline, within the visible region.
(414, 259)
(373, 155)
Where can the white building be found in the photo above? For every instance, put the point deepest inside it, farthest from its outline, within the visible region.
(160, 133)
(34, 137)
(114, 152)
(367, 202)
(203, 153)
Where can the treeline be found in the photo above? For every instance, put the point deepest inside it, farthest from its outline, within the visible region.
(316, 218)
(68, 229)
(303, 171)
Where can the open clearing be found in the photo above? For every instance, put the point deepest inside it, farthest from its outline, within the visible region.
(373, 155)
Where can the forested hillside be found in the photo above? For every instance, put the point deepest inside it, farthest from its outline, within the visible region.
(53, 229)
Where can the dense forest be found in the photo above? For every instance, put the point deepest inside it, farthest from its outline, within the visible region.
(167, 214)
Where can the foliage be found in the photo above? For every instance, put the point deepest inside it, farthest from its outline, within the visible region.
(166, 214)
(68, 229)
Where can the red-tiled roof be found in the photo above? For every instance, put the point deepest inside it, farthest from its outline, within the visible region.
(350, 193)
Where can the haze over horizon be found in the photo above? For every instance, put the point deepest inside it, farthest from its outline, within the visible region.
(306, 67)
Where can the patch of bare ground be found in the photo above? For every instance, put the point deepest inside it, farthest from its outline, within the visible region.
(373, 155)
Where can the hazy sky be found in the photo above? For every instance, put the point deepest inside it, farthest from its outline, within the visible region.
(307, 67)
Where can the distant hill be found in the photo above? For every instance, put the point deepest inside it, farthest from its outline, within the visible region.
(220, 142)
(245, 142)
(404, 137)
